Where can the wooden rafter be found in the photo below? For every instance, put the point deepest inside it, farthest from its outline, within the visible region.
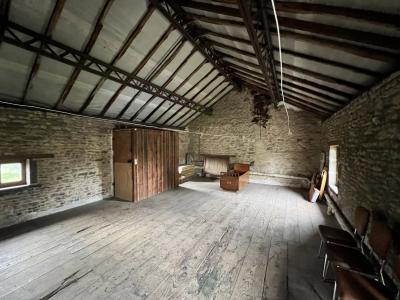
(122, 50)
(218, 9)
(165, 84)
(153, 75)
(192, 88)
(27, 39)
(245, 12)
(231, 48)
(352, 35)
(348, 12)
(312, 101)
(302, 95)
(138, 68)
(181, 21)
(239, 60)
(215, 21)
(344, 46)
(51, 24)
(178, 88)
(4, 14)
(309, 108)
(89, 45)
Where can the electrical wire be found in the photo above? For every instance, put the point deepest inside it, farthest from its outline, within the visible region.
(280, 62)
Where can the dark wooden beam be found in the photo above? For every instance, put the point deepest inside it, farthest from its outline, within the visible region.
(231, 48)
(170, 78)
(223, 92)
(51, 24)
(309, 104)
(350, 48)
(181, 21)
(139, 67)
(243, 69)
(215, 21)
(89, 45)
(308, 108)
(352, 35)
(333, 63)
(239, 60)
(122, 50)
(178, 88)
(4, 14)
(348, 12)
(263, 61)
(29, 40)
(294, 93)
(253, 82)
(313, 92)
(318, 86)
(194, 96)
(249, 76)
(313, 101)
(322, 77)
(217, 9)
(226, 37)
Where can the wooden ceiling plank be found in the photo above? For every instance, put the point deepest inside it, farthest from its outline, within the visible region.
(228, 47)
(215, 21)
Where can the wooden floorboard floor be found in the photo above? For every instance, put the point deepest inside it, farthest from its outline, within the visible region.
(196, 242)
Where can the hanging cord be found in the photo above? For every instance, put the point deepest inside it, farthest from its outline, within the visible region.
(280, 62)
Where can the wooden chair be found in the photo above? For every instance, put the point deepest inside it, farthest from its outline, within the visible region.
(353, 259)
(342, 237)
(354, 286)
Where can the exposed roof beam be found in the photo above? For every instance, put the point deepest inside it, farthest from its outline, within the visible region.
(67, 55)
(4, 13)
(181, 21)
(89, 45)
(318, 86)
(252, 82)
(195, 95)
(228, 47)
(224, 92)
(308, 108)
(358, 14)
(55, 16)
(313, 92)
(178, 88)
(293, 93)
(361, 51)
(239, 60)
(243, 69)
(122, 50)
(226, 36)
(215, 21)
(255, 78)
(170, 78)
(332, 63)
(245, 11)
(138, 68)
(310, 104)
(322, 77)
(352, 35)
(218, 9)
(153, 75)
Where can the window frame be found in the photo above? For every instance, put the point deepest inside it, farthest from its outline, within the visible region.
(334, 187)
(23, 181)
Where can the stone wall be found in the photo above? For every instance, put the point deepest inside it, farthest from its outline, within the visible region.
(80, 172)
(368, 134)
(279, 158)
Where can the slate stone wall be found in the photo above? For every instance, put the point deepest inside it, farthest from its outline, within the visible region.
(80, 172)
(368, 134)
(229, 130)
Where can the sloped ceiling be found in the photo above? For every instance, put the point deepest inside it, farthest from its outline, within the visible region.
(165, 63)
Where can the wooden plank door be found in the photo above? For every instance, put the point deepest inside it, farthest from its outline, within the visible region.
(123, 172)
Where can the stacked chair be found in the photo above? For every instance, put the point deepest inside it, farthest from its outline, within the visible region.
(356, 276)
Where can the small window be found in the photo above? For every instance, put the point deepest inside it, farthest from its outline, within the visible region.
(12, 173)
(333, 168)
